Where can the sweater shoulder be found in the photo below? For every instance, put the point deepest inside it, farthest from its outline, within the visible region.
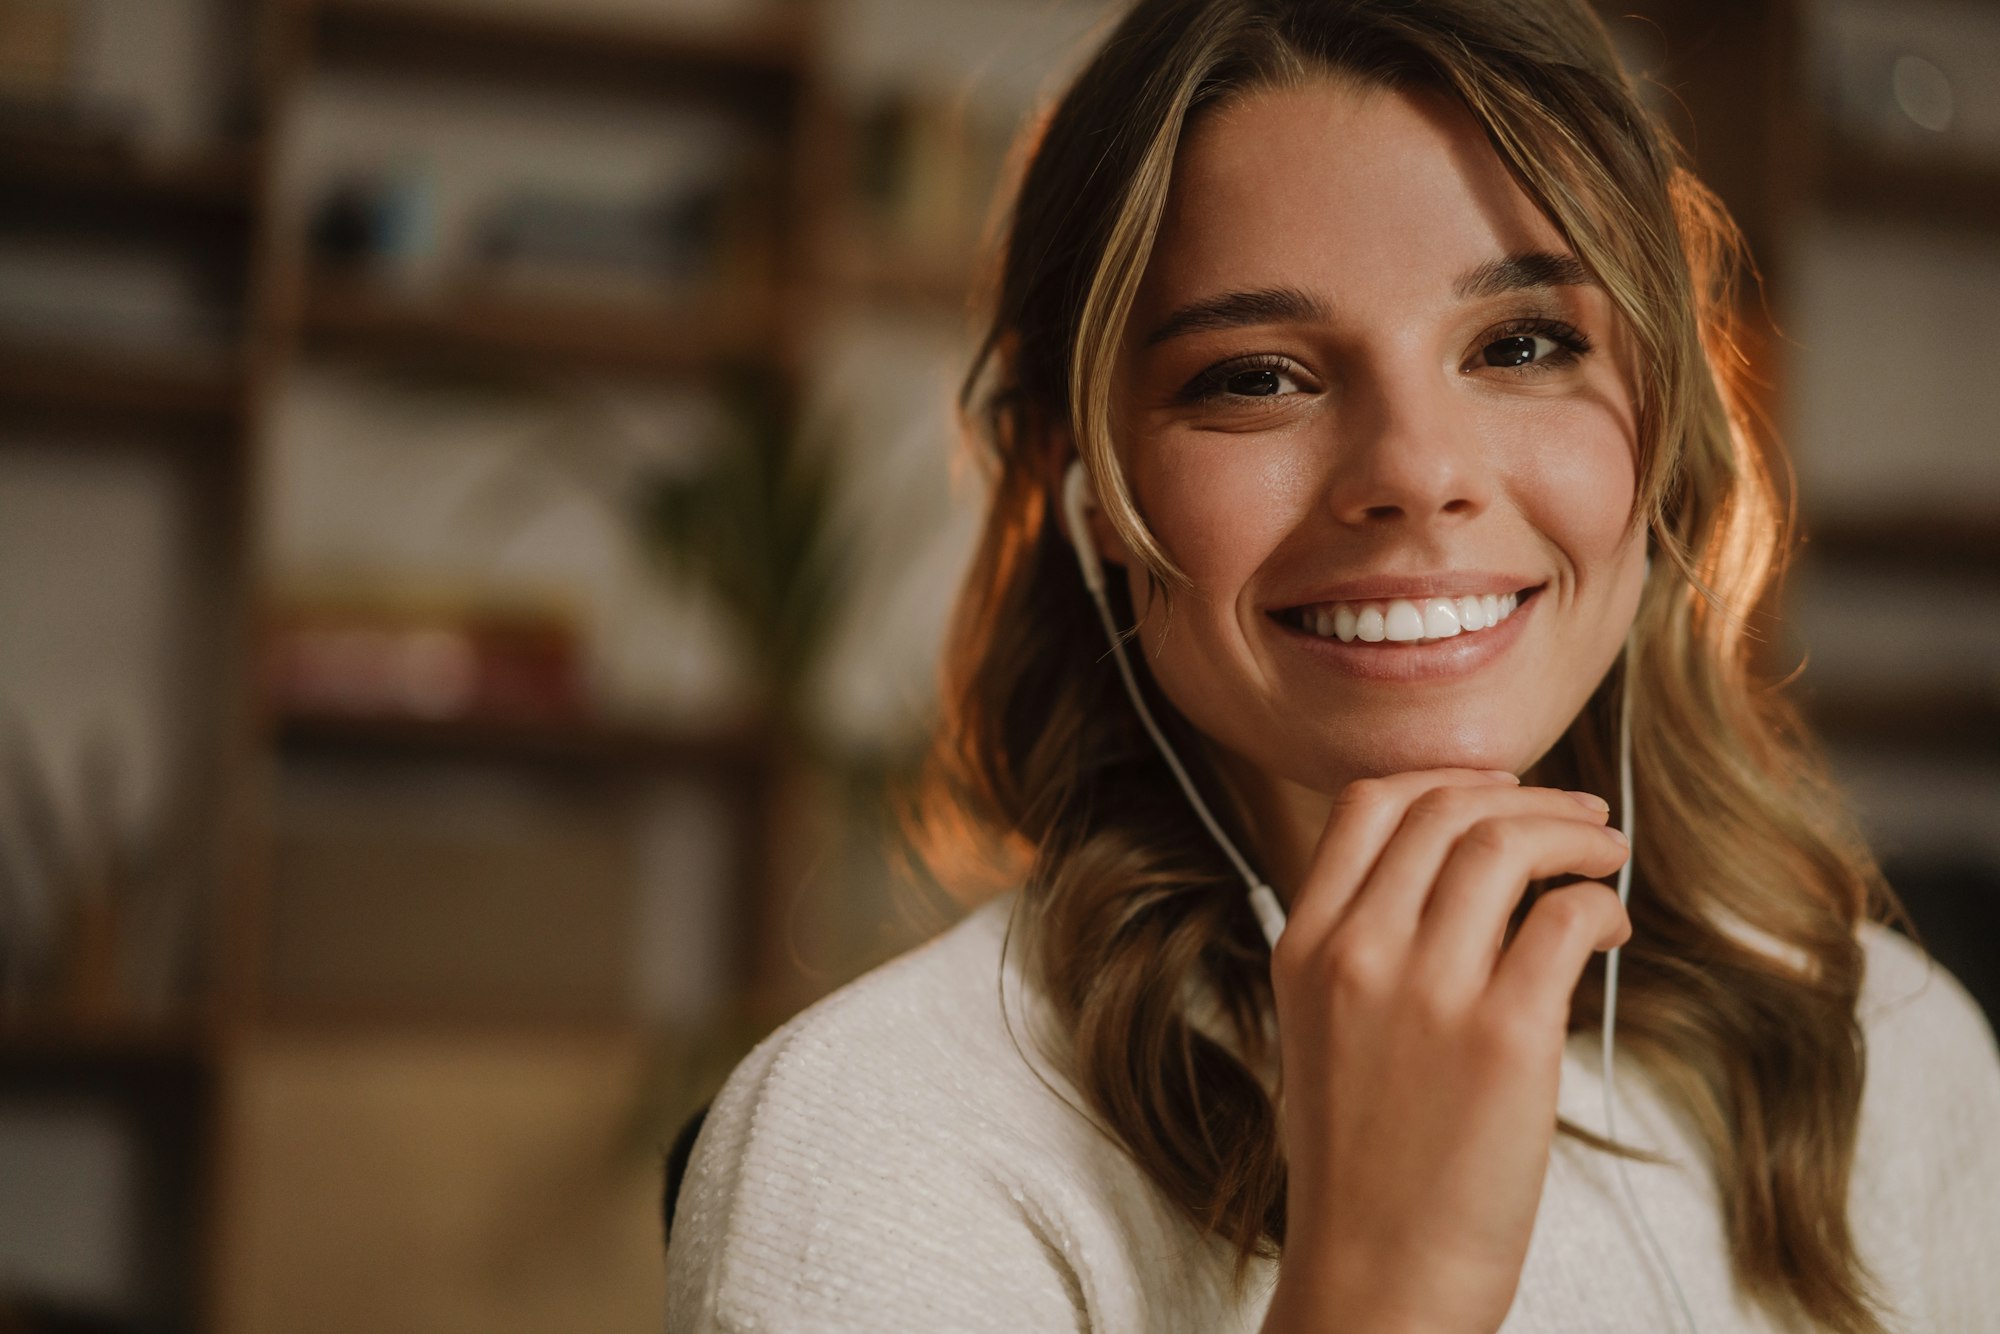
(942, 1023)
(1927, 1162)
(873, 1163)
(1910, 1002)
(1933, 1078)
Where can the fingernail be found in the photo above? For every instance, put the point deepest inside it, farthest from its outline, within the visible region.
(1592, 800)
(1617, 833)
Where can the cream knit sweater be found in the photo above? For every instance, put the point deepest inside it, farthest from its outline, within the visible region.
(892, 1161)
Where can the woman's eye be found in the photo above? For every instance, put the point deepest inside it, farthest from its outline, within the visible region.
(1255, 384)
(1519, 350)
(1240, 380)
(1542, 346)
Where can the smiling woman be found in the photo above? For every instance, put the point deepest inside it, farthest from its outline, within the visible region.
(1378, 351)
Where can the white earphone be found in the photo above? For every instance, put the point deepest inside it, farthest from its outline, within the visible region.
(1077, 500)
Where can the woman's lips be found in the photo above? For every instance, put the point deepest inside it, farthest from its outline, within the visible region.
(1407, 639)
(1402, 620)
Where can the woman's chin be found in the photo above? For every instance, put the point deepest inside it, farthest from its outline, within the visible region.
(1331, 770)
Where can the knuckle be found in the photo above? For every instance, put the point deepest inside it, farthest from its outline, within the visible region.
(1491, 839)
(1596, 891)
(1609, 912)
(1514, 1030)
(1435, 1009)
(1439, 803)
(1583, 909)
(1564, 911)
(1575, 921)
(1357, 967)
(1363, 794)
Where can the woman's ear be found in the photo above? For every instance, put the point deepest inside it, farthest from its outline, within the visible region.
(1103, 534)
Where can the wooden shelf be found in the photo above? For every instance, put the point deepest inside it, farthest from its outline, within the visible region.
(1857, 178)
(491, 332)
(587, 747)
(41, 1051)
(757, 67)
(68, 384)
(1957, 722)
(109, 174)
(1964, 546)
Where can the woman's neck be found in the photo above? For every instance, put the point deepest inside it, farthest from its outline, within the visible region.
(1282, 819)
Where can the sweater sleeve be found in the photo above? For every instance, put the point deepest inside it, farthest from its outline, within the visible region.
(829, 1194)
(1933, 1109)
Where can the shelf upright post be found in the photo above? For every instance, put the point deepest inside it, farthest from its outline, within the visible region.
(280, 56)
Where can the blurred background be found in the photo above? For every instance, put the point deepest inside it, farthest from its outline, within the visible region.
(479, 503)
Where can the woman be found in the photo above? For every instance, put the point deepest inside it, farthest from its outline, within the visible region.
(1387, 347)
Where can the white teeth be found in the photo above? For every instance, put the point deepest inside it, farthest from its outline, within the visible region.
(1405, 620)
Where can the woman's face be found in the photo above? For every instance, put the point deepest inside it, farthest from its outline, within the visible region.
(1368, 393)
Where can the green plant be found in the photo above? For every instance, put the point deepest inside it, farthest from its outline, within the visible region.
(756, 525)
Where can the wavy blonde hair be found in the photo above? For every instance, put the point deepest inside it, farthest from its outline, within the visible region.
(1749, 882)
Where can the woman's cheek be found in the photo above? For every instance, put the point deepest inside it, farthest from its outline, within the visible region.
(1219, 510)
(1582, 488)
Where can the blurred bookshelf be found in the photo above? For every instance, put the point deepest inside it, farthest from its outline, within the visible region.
(758, 63)
(583, 749)
(1839, 115)
(560, 810)
(481, 331)
(1885, 179)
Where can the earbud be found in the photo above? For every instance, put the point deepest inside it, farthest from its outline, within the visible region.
(1077, 500)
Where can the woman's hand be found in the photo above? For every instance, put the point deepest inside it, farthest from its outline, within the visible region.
(1420, 1057)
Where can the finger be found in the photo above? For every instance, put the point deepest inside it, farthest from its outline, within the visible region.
(1539, 971)
(1396, 892)
(1364, 816)
(1482, 881)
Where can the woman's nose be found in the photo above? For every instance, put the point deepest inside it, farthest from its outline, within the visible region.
(1404, 450)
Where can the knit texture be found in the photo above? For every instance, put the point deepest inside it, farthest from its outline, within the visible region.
(900, 1157)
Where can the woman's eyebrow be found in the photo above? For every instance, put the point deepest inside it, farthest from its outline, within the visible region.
(1231, 310)
(1288, 305)
(1519, 272)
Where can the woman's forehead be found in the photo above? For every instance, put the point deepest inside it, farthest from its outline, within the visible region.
(1346, 190)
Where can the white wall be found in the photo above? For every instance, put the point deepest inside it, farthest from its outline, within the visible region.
(1894, 400)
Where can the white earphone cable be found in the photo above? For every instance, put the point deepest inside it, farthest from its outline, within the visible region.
(1263, 900)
